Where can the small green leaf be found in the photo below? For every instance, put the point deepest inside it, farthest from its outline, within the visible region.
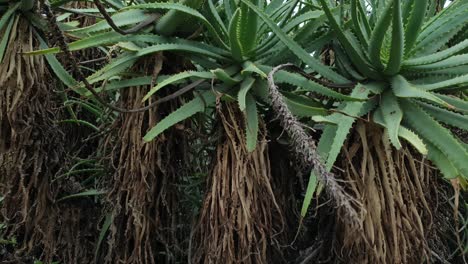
(82, 194)
(311, 187)
(5, 39)
(102, 234)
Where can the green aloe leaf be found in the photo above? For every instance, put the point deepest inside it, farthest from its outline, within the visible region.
(234, 40)
(433, 132)
(442, 162)
(245, 87)
(197, 105)
(296, 49)
(392, 115)
(446, 116)
(185, 10)
(5, 38)
(413, 27)
(251, 118)
(378, 35)
(402, 88)
(176, 78)
(397, 49)
(82, 194)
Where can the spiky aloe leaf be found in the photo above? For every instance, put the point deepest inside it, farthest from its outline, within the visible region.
(378, 35)
(398, 48)
(249, 67)
(337, 134)
(173, 19)
(177, 77)
(185, 10)
(220, 24)
(296, 49)
(110, 38)
(304, 83)
(248, 27)
(198, 104)
(251, 120)
(57, 67)
(124, 83)
(461, 80)
(433, 132)
(460, 105)
(445, 25)
(445, 116)
(413, 27)
(303, 106)
(442, 162)
(413, 139)
(354, 52)
(392, 115)
(123, 18)
(403, 132)
(438, 56)
(451, 62)
(358, 28)
(402, 88)
(114, 68)
(234, 41)
(225, 76)
(245, 86)
(125, 61)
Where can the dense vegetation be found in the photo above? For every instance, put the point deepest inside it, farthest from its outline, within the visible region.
(233, 131)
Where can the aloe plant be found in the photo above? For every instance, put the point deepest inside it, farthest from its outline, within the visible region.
(401, 50)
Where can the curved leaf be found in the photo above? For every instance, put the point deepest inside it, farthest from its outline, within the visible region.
(177, 77)
(198, 104)
(296, 49)
(437, 135)
(251, 118)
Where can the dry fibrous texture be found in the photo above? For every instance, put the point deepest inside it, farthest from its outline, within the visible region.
(305, 148)
(395, 188)
(143, 197)
(30, 145)
(33, 152)
(240, 219)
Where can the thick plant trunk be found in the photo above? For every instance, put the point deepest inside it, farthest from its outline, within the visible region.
(240, 216)
(31, 146)
(143, 199)
(399, 201)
